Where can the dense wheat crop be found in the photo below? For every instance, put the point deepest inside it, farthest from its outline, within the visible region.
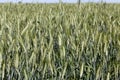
(60, 41)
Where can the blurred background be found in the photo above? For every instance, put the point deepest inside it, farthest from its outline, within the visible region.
(57, 1)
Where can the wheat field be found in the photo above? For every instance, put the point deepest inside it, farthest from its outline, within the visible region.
(59, 41)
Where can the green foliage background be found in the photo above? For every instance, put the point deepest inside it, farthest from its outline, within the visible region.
(60, 41)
